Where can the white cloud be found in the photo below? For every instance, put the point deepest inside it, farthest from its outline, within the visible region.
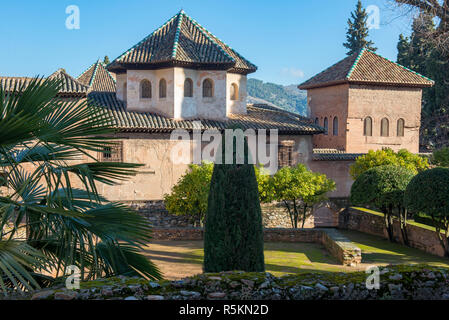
(292, 72)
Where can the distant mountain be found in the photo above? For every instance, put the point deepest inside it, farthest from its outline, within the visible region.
(289, 97)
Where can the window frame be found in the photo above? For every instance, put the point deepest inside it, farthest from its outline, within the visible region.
(335, 127)
(142, 83)
(285, 153)
(162, 88)
(190, 92)
(115, 155)
(208, 80)
(326, 126)
(365, 127)
(382, 122)
(234, 92)
(400, 131)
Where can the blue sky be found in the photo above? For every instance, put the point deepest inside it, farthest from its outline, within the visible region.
(289, 40)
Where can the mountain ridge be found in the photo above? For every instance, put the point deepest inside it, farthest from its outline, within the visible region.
(289, 97)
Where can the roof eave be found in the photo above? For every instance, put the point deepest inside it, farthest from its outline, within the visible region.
(359, 82)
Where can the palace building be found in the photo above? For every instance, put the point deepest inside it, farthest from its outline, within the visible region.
(181, 74)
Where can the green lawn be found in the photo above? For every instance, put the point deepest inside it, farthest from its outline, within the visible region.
(178, 259)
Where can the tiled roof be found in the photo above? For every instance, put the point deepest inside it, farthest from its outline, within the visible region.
(182, 41)
(258, 117)
(334, 155)
(367, 67)
(98, 78)
(69, 85)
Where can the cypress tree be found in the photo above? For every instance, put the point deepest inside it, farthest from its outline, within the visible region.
(357, 34)
(233, 238)
(403, 51)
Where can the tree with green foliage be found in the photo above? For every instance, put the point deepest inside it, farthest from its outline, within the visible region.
(384, 187)
(403, 47)
(46, 223)
(358, 33)
(440, 157)
(106, 60)
(402, 158)
(421, 55)
(428, 192)
(189, 196)
(299, 190)
(233, 237)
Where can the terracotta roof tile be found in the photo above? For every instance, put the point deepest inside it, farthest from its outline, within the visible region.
(334, 155)
(69, 85)
(367, 67)
(98, 78)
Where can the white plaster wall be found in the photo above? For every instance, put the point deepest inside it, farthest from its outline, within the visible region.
(236, 106)
(121, 79)
(214, 107)
(175, 105)
(163, 106)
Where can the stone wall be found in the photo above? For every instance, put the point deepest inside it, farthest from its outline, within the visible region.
(273, 215)
(419, 237)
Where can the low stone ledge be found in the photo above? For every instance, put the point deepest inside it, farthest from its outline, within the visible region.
(341, 248)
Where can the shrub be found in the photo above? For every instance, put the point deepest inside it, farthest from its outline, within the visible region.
(189, 195)
(441, 157)
(299, 189)
(384, 187)
(233, 238)
(402, 158)
(428, 192)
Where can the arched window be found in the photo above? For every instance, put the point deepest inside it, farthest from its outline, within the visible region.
(234, 91)
(162, 88)
(145, 89)
(317, 121)
(335, 126)
(125, 91)
(326, 126)
(400, 129)
(385, 128)
(188, 88)
(368, 127)
(208, 88)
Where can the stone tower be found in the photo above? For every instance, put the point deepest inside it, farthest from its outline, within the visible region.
(366, 102)
(182, 71)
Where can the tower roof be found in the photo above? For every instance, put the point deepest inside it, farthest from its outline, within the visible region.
(98, 78)
(367, 67)
(183, 42)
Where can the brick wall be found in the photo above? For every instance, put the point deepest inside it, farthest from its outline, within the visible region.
(419, 238)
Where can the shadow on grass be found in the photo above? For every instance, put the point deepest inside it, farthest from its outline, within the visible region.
(378, 250)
